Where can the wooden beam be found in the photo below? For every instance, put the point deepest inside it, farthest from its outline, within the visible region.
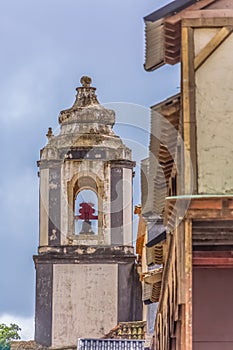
(188, 285)
(172, 61)
(172, 51)
(214, 262)
(179, 16)
(212, 45)
(171, 41)
(151, 279)
(217, 21)
(189, 105)
(209, 214)
(206, 203)
(203, 207)
(167, 111)
(180, 233)
(212, 254)
(224, 13)
(182, 345)
(221, 4)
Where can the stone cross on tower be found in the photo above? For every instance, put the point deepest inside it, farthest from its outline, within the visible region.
(85, 275)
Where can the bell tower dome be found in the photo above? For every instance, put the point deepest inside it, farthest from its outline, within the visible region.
(85, 274)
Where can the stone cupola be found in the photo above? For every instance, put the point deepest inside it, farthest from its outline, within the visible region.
(85, 155)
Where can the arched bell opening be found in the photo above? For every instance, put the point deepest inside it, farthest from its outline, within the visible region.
(86, 212)
(85, 189)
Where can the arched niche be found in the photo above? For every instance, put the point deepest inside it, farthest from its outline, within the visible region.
(86, 212)
(91, 187)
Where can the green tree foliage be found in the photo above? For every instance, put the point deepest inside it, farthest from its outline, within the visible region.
(8, 333)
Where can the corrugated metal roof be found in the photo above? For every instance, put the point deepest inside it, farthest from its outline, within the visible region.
(154, 37)
(110, 344)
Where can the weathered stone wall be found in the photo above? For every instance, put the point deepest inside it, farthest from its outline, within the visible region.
(26, 345)
(32, 345)
(84, 291)
(84, 301)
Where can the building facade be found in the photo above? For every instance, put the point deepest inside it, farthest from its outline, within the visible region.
(188, 212)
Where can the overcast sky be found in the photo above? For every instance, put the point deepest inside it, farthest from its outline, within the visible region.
(46, 46)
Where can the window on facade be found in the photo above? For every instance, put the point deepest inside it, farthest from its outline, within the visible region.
(86, 212)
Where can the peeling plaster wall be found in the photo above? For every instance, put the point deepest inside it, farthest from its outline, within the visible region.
(202, 37)
(84, 301)
(214, 118)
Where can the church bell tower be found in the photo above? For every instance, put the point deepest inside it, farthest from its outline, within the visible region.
(86, 281)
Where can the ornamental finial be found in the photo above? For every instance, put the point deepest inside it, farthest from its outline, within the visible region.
(49, 133)
(86, 99)
(85, 81)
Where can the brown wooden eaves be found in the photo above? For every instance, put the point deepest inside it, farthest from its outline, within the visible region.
(154, 255)
(172, 39)
(164, 148)
(212, 219)
(163, 36)
(151, 291)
